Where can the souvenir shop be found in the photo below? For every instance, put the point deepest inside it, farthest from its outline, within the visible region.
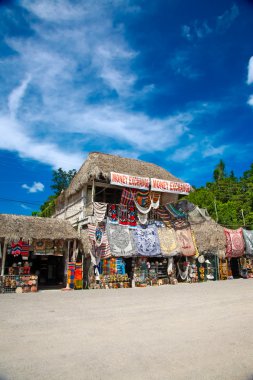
(29, 264)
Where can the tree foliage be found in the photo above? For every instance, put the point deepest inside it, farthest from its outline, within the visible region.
(228, 199)
(60, 181)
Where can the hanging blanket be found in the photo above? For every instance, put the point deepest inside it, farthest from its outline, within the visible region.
(131, 217)
(234, 242)
(126, 197)
(71, 274)
(155, 199)
(99, 241)
(168, 242)
(164, 216)
(142, 201)
(120, 240)
(198, 215)
(175, 213)
(185, 242)
(185, 206)
(248, 238)
(113, 214)
(123, 215)
(78, 276)
(99, 211)
(147, 241)
(20, 248)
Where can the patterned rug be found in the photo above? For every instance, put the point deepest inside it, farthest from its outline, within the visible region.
(147, 241)
(248, 238)
(168, 241)
(234, 242)
(100, 248)
(120, 240)
(113, 214)
(185, 242)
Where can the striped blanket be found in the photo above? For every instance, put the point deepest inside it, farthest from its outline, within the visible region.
(100, 211)
(100, 248)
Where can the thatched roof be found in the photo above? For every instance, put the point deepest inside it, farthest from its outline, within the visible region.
(100, 165)
(30, 227)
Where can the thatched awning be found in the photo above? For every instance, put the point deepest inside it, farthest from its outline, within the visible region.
(30, 227)
(99, 166)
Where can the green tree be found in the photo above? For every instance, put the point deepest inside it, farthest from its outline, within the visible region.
(60, 181)
(219, 171)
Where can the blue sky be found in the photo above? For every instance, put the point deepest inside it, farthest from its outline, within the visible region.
(167, 81)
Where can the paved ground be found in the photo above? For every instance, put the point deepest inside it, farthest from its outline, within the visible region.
(198, 331)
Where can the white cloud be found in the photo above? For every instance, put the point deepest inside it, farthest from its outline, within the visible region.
(184, 153)
(250, 101)
(250, 71)
(16, 96)
(186, 32)
(225, 20)
(210, 150)
(25, 207)
(35, 188)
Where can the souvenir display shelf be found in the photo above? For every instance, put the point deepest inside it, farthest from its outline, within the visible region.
(19, 283)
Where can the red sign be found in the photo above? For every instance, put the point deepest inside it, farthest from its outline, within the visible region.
(127, 180)
(170, 186)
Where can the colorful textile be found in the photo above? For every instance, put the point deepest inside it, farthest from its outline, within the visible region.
(71, 274)
(99, 211)
(126, 197)
(131, 217)
(164, 216)
(174, 212)
(99, 241)
(155, 199)
(20, 248)
(234, 242)
(113, 214)
(120, 240)
(198, 215)
(78, 281)
(248, 238)
(168, 241)
(185, 242)
(147, 240)
(143, 218)
(123, 215)
(142, 201)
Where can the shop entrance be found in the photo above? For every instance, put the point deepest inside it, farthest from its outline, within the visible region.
(234, 264)
(50, 270)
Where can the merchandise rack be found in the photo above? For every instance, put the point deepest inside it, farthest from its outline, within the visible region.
(25, 283)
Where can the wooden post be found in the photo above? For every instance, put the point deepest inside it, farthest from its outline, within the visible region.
(4, 257)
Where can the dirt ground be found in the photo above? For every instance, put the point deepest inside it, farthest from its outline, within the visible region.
(188, 331)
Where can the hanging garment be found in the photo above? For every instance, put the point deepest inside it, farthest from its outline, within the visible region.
(143, 218)
(174, 212)
(170, 267)
(198, 215)
(71, 274)
(99, 211)
(164, 216)
(147, 241)
(185, 242)
(123, 215)
(78, 276)
(168, 241)
(20, 248)
(113, 214)
(183, 274)
(131, 217)
(120, 240)
(234, 242)
(99, 241)
(126, 197)
(155, 199)
(248, 239)
(185, 206)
